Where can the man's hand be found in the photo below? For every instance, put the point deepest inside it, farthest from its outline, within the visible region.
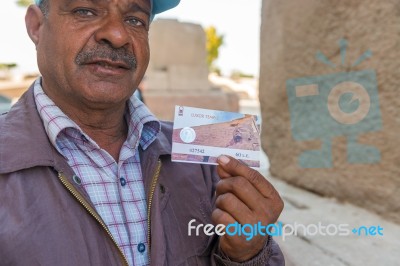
(244, 196)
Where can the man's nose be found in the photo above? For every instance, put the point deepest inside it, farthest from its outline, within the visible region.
(113, 31)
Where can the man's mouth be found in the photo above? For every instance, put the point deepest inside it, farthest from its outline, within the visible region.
(106, 60)
(110, 64)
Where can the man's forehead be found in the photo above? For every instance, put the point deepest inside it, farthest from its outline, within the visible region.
(144, 5)
(105, 1)
(157, 6)
(37, 2)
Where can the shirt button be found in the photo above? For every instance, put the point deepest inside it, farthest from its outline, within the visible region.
(162, 188)
(77, 180)
(84, 138)
(123, 181)
(141, 247)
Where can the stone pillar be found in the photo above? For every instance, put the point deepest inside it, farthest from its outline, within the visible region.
(330, 98)
(178, 72)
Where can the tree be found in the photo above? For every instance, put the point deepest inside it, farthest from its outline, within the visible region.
(7, 66)
(214, 42)
(24, 3)
(5, 70)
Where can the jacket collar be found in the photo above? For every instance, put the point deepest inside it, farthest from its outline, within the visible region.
(24, 143)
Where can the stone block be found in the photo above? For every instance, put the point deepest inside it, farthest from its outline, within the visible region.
(178, 56)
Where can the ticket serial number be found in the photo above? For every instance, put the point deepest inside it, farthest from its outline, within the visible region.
(194, 150)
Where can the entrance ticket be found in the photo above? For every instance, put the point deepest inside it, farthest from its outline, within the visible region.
(201, 135)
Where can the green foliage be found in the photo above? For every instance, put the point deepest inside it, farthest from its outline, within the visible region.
(24, 3)
(214, 42)
(7, 66)
(236, 74)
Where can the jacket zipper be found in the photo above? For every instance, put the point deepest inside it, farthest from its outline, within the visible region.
(151, 194)
(91, 211)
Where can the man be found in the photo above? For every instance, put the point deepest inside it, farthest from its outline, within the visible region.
(85, 171)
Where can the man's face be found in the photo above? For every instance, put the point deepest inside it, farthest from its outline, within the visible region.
(93, 52)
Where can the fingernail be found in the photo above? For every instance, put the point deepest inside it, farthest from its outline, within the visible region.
(223, 159)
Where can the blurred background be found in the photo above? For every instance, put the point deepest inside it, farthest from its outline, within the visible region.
(324, 75)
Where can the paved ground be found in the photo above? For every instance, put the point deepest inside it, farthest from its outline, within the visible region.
(307, 208)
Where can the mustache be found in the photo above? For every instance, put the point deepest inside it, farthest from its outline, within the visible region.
(105, 52)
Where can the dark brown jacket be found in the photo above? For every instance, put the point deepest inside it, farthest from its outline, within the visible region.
(48, 219)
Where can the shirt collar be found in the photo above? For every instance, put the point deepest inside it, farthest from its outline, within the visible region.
(141, 122)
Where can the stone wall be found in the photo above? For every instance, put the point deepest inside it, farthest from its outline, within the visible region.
(330, 98)
(178, 73)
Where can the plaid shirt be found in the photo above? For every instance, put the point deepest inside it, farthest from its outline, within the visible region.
(115, 188)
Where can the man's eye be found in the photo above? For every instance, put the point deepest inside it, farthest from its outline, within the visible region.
(84, 12)
(135, 22)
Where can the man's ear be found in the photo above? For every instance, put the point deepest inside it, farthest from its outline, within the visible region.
(34, 19)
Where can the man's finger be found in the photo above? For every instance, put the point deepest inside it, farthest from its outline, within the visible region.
(243, 189)
(222, 173)
(219, 216)
(232, 205)
(236, 168)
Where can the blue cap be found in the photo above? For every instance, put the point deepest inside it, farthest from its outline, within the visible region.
(159, 6)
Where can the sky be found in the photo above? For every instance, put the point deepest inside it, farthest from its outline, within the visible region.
(238, 20)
